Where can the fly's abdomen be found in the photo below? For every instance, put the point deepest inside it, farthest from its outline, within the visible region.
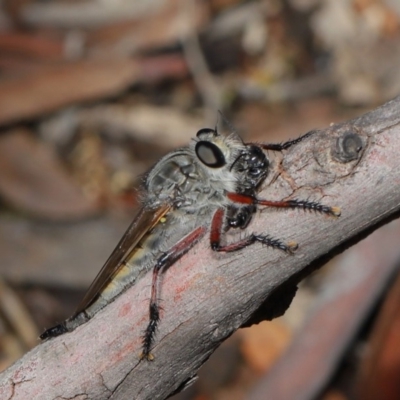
(137, 265)
(141, 260)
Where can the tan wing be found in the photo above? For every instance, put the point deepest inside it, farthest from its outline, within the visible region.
(144, 221)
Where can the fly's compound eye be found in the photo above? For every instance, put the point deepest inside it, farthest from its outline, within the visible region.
(206, 131)
(210, 154)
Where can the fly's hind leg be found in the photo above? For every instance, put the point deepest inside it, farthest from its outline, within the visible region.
(246, 201)
(163, 263)
(54, 331)
(216, 231)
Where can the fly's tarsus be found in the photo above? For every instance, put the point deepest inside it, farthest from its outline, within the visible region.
(303, 204)
(315, 206)
(54, 331)
(253, 238)
(148, 336)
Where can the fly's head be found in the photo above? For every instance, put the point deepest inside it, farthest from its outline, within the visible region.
(232, 161)
(229, 160)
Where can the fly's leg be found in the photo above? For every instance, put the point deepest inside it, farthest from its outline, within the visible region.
(163, 263)
(54, 331)
(303, 204)
(216, 231)
(285, 145)
(247, 201)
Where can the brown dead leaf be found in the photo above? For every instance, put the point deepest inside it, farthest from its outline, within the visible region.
(57, 86)
(334, 395)
(33, 180)
(158, 30)
(31, 46)
(263, 344)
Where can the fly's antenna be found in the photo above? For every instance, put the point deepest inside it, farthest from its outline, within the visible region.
(231, 128)
(226, 121)
(217, 122)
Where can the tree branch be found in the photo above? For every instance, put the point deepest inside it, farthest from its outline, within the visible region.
(207, 296)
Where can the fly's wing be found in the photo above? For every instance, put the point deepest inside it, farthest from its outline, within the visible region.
(144, 221)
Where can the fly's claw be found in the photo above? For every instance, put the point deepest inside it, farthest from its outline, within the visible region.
(335, 211)
(289, 248)
(292, 247)
(146, 356)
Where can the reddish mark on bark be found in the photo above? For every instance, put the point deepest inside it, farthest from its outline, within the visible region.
(21, 373)
(184, 287)
(125, 310)
(179, 290)
(131, 347)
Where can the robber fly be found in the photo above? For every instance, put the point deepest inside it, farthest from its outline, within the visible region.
(208, 187)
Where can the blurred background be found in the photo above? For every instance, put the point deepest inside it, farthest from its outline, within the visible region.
(94, 92)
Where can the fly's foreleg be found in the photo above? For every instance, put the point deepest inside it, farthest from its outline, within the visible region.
(303, 204)
(163, 263)
(285, 145)
(217, 225)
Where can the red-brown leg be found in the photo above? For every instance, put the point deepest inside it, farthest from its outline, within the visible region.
(303, 204)
(163, 263)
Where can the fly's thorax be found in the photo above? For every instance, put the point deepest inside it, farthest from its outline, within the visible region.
(172, 171)
(251, 168)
